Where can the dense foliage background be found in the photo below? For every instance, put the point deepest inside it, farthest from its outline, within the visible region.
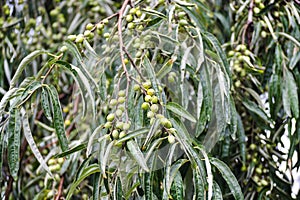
(149, 99)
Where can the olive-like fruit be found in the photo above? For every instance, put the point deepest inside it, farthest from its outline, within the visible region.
(126, 126)
(113, 102)
(72, 37)
(119, 112)
(119, 125)
(122, 134)
(110, 117)
(131, 25)
(150, 114)
(171, 139)
(89, 26)
(136, 87)
(79, 38)
(129, 18)
(147, 84)
(63, 49)
(108, 125)
(132, 11)
(148, 98)
(106, 35)
(138, 13)
(154, 99)
(115, 134)
(154, 108)
(121, 93)
(151, 92)
(121, 99)
(67, 122)
(145, 106)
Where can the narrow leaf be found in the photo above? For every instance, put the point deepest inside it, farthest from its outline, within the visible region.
(45, 104)
(179, 110)
(137, 154)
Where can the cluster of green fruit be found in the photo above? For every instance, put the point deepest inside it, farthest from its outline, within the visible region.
(259, 5)
(240, 58)
(117, 127)
(132, 19)
(153, 108)
(140, 44)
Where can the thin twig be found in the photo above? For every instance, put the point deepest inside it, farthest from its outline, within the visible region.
(60, 188)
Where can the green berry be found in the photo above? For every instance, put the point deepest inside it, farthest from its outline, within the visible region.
(150, 114)
(131, 25)
(181, 14)
(256, 10)
(119, 125)
(79, 38)
(100, 26)
(126, 126)
(148, 98)
(151, 92)
(145, 106)
(108, 125)
(121, 93)
(165, 122)
(147, 84)
(89, 26)
(63, 49)
(154, 108)
(87, 33)
(154, 99)
(121, 99)
(129, 18)
(113, 102)
(72, 37)
(171, 139)
(172, 130)
(60, 160)
(122, 134)
(138, 13)
(105, 21)
(51, 161)
(132, 11)
(110, 117)
(119, 112)
(106, 35)
(115, 134)
(171, 79)
(136, 87)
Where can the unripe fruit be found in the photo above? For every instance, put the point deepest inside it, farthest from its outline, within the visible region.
(165, 122)
(122, 134)
(115, 134)
(154, 99)
(150, 114)
(67, 122)
(121, 99)
(121, 93)
(136, 87)
(154, 108)
(151, 92)
(171, 79)
(130, 25)
(126, 61)
(256, 10)
(261, 6)
(138, 54)
(105, 21)
(171, 139)
(79, 38)
(60, 160)
(113, 102)
(100, 26)
(148, 98)
(264, 182)
(132, 11)
(119, 125)
(147, 84)
(126, 126)
(252, 146)
(66, 109)
(106, 35)
(54, 13)
(72, 37)
(258, 170)
(159, 116)
(51, 161)
(87, 33)
(152, 121)
(244, 168)
(63, 49)
(231, 53)
(138, 13)
(172, 130)
(145, 106)
(119, 112)
(110, 117)
(263, 34)
(107, 125)
(89, 26)
(181, 14)
(129, 18)
(121, 107)
(183, 22)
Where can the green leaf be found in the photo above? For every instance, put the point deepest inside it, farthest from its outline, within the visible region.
(229, 178)
(89, 170)
(14, 137)
(177, 187)
(96, 186)
(45, 104)
(217, 194)
(5, 99)
(132, 134)
(58, 120)
(290, 95)
(31, 142)
(137, 154)
(154, 13)
(73, 150)
(118, 192)
(29, 58)
(179, 110)
(165, 69)
(251, 106)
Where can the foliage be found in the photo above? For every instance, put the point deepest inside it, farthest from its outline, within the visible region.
(142, 101)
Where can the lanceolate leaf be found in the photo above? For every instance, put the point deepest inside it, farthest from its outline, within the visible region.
(31, 142)
(58, 119)
(118, 192)
(91, 169)
(137, 154)
(180, 111)
(13, 147)
(229, 178)
(217, 192)
(177, 187)
(29, 58)
(45, 104)
(5, 99)
(290, 95)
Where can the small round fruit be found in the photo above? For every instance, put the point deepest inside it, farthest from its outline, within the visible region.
(231, 53)
(263, 34)
(66, 109)
(258, 170)
(51, 161)
(108, 125)
(122, 134)
(67, 122)
(171, 79)
(115, 134)
(138, 13)
(132, 11)
(154, 108)
(79, 38)
(121, 99)
(252, 146)
(244, 168)
(119, 112)
(256, 10)
(172, 130)
(113, 102)
(105, 21)
(151, 92)
(63, 49)
(147, 84)
(110, 117)
(126, 61)
(119, 125)
(106, 35)
(150, 114)
(130, 25)
(171, 139)
(100, 26)
(126, 126)
(72, 37)
(181, 14)
(89, 26)
(148, 98)
(129, 18)
(154, 99)
(121, 93)
(87, 33)
(60, 160)
(145, 106)
(136, 87)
